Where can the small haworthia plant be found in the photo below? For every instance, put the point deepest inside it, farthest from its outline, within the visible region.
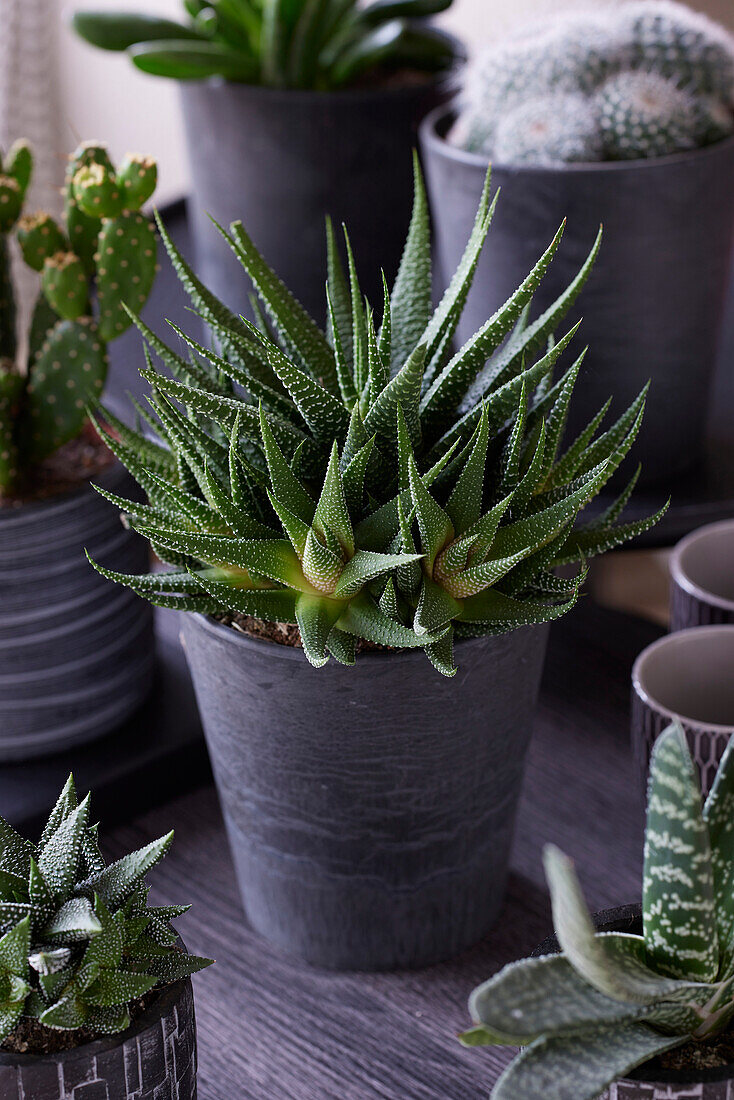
(104, 255)
(370, 482)
(612, 1001)
(643, 79)
(279, 43)
(78, 941)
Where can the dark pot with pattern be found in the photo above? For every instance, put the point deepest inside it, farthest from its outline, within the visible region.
(686, 677)
(702, 577)
(76, 653)
(370, 810)
(281, 160)
(155, 1059)
(654, 304)
(651, 1081)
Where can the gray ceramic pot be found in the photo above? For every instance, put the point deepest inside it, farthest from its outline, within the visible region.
(155, 1059)
(653, 306)
(370, 810)
(649, 1082)
(282, 160)
(702, 577)
(76, 652)
(686, 677)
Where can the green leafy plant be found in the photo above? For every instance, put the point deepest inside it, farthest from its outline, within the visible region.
(106, 246)
(612, 1001)
(319, 44)
(78, 941)
(371, 482)
(646, 79)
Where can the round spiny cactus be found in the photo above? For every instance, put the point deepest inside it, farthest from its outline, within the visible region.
(645, 115)
(670, 39)
(548, 130)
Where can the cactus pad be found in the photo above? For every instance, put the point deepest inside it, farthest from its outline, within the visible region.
(137, 177)
(68, 373)
(97, 191)
(11, 390)
(11, 202)
(19, 164)
(40, 238)
(126, 266)
(64, 282)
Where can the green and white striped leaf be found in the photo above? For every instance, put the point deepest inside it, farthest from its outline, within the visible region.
(679, 915)
(718, 813)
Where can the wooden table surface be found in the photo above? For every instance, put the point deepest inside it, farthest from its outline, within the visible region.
(271, 1029)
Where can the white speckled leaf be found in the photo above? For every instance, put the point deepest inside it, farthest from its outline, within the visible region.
(679, 916)
(719, 815)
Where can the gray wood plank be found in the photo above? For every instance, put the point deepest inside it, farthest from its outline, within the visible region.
(270, 1029)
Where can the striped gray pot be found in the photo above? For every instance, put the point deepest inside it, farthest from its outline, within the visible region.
(76, 651)
(686, 677)
(702, 577)
(649, 1082)
(370, 810)
(155, 1059)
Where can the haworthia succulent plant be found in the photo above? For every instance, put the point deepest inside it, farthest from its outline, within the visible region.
(78, 941)
(612, 1001)
(320, 44)
(369, 481)
(105, 244)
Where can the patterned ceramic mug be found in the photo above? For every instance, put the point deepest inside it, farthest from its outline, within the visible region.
(688, 677)
(702, 577)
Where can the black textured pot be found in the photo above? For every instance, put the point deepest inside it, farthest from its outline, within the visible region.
(155, 1059)
(653, 306)
(76, 652)
(370, 810)
(282, 160)
(651, 1082)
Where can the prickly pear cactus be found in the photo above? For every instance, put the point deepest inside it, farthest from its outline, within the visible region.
(636, 66)
(103, 256)
(126, 267)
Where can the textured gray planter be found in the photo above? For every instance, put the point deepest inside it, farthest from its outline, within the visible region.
(702, 578)
(649, 1082)
(653, 306)
(282, 160)
(155, 1059)
(76, 651)
(686, 677)
(370, 810)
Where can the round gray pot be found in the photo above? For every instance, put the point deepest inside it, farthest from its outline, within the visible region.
(282, 160)
(653, 306)
(155, 1057)
(76, 652)
(650, 1082)
(370, 810)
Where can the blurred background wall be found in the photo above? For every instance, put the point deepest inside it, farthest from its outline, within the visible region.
(51, 84)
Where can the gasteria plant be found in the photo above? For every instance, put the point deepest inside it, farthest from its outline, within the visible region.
(105, 244)
(79, 942)
(612, 1001)
(279, 43)
(387, 488)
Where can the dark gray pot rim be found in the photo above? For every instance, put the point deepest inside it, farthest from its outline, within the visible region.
(607, 920)
(435, 125)
(162, 1005)
(679, 637)
(105, 478)
(294, 653)
(682, 579)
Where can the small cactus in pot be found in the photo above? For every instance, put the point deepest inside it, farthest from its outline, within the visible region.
(613, 1001)
(101, 257)
(654, 78)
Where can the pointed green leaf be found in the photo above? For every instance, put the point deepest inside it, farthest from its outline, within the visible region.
(331, 512)
(366, 565)
(411, 296)
(115, 883)
(435, 526)
(15, 946)
(316, 618)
